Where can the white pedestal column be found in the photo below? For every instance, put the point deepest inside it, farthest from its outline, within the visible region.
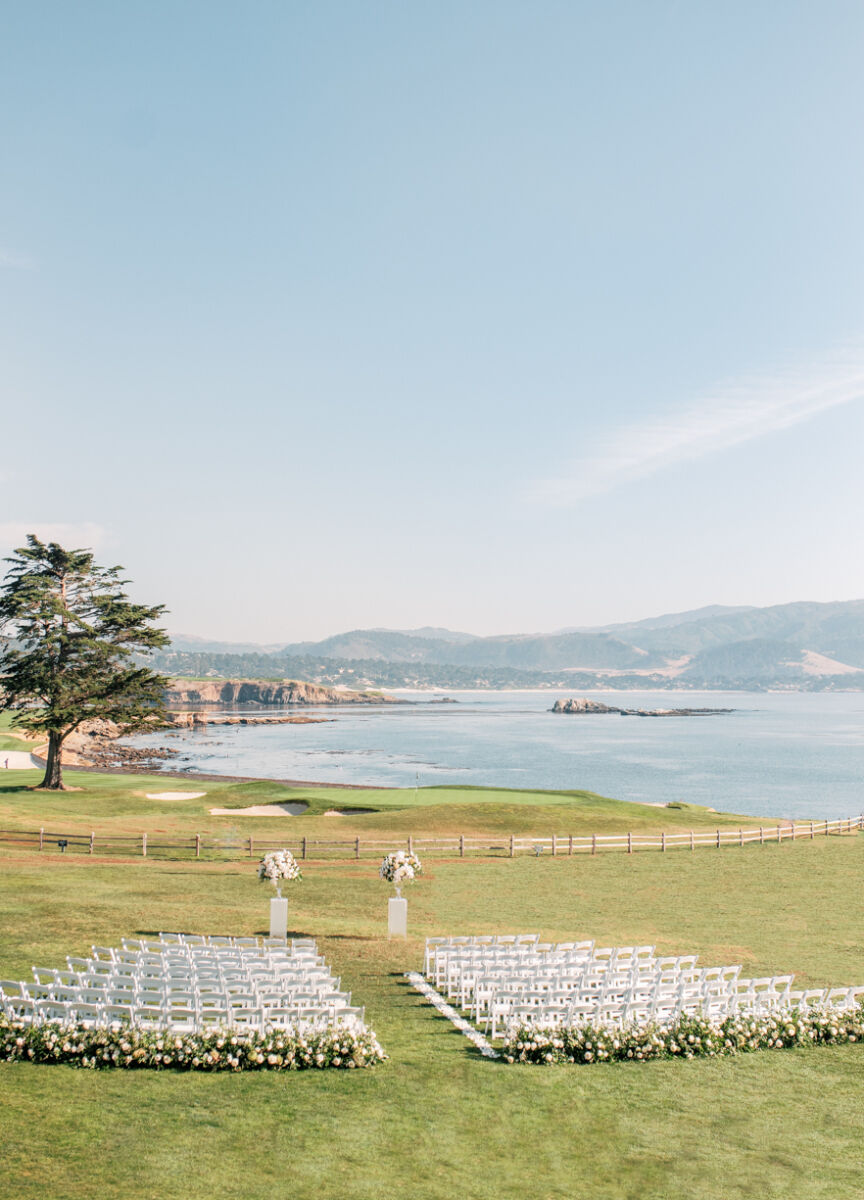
(397, 917)
(278, 918)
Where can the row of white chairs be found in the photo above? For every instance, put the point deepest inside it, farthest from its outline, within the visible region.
(527, 947)
(462, 976)
(187, 982)
(451, 968)
(171, 995)
(479, 991)
(544, 1011)
(621, 1004)
(130, 977)
(183, 1019)
(525, 981)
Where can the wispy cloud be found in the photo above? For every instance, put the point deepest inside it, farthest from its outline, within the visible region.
(10, 260)
(725, 417)
(72, 535)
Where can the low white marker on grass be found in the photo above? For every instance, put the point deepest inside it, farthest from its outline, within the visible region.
(437, 1001)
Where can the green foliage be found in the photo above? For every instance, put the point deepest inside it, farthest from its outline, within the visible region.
(75, 633)
(8, 741)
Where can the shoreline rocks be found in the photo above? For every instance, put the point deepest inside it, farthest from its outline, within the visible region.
(198, 720)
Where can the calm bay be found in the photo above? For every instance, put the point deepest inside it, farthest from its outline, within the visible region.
(784, 754)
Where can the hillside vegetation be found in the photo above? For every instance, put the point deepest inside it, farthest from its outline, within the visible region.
(805, 646)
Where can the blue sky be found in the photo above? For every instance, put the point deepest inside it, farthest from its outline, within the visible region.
(501, 316)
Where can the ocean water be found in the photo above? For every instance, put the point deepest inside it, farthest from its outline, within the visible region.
(788, 754)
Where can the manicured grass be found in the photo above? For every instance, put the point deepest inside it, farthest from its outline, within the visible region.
(9, 739)
(118, 804)
(437, 1119)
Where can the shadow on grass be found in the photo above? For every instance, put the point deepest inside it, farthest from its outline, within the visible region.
(154, 933)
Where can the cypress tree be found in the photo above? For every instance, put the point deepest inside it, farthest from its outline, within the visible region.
(70, 637)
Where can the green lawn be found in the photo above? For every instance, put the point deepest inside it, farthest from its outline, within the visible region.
(437, 1120)
(118, 804)
(9, 740)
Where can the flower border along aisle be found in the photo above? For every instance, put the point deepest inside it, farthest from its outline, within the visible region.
(133, 1048)
(688, 1037)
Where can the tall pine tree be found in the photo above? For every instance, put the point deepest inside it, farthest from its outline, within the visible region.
(70, 635)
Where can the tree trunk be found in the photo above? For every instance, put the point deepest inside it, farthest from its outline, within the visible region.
(53, 768)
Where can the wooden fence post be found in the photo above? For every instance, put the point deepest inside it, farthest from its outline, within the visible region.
(793, 829)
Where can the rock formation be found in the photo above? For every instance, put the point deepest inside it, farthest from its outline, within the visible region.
(258, 691)
(584, 705)
(199, 720)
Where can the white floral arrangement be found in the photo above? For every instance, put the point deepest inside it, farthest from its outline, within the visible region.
(132, 1047)
(400, 867)
(278, 866)
(688, 1037)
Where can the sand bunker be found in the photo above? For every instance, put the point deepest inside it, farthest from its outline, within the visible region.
(261, 810)
(18, 760)
(174, 795)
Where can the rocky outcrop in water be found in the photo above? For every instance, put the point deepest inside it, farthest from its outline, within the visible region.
(257, 691)
(200, 720)
(584, 705)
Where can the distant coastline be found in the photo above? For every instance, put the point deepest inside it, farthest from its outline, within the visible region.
(797, 647)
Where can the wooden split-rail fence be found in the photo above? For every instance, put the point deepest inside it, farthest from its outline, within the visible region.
(455, 846)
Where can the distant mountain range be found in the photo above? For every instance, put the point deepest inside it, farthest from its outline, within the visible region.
(800, 646)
